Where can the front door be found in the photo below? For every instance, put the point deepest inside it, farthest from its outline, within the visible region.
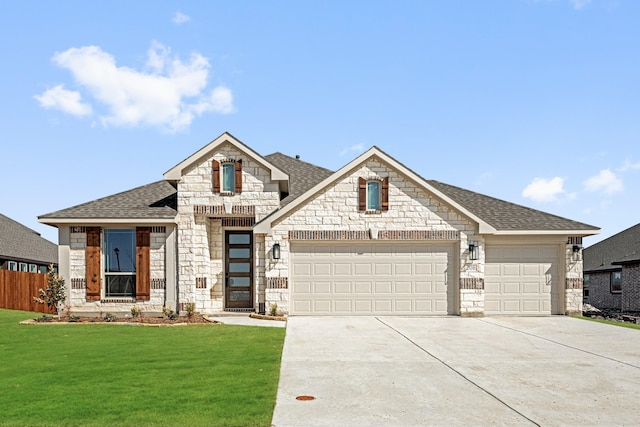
(238, 290)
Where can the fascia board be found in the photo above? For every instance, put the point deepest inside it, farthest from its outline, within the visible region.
(83, 221)
(175, 173)
(583, 233)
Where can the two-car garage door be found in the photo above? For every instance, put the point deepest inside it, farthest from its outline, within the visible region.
(371, 279)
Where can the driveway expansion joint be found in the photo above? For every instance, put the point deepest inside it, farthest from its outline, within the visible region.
(457, 372)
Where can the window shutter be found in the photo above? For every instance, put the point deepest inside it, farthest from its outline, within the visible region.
(362, 194)
(385, 194)
(216, 176)
(238, 176)
(92, 263)
(143, 263)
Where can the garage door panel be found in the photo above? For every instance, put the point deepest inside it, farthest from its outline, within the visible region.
(403, 278)
(521, 279)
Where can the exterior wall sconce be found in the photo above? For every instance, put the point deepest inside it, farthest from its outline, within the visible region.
(576, 252)
(576, 248)
(275, 251)
(474, 251)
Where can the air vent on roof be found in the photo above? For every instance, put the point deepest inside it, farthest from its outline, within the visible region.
(297, 156)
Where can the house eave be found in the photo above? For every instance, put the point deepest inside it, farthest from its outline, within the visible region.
(96, 221)
(583, 233)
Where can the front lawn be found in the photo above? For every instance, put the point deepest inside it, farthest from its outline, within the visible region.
(98, 375)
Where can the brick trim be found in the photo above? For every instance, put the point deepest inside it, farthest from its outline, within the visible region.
(419, 235)
(238, 222)
(78, 229)
(201, 283)
(218, 210)
(118, 300)
(79, 283)
(277, 282)
(158, 283)
(574, 283)
(574, 240)
(472, 283)
(328, 235)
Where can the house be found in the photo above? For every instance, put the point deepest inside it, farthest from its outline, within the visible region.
(22, 249)
(612, 272)
(228, 229)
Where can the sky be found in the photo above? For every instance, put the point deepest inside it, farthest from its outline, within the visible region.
(535, 102)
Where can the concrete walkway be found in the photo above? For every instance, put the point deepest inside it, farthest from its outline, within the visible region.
(245, 320)
(369, 371)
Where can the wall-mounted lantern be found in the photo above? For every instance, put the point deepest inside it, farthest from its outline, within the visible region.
(275, 251)
(474, 251)
(576, 252)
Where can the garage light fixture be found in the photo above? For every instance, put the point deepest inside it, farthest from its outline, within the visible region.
(275, 251)
(474, 251)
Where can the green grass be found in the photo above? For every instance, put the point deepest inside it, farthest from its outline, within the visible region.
(98, 375)
(611, 322)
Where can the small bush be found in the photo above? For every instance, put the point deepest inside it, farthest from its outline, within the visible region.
(273, 310)
(169, 314)
(44, 318)
(135, 312)
(54, 294)
(73, 319)
(191, 309)
(109, 317)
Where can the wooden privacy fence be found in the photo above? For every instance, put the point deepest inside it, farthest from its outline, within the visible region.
(18, 288)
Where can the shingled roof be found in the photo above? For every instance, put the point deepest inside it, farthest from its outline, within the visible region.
(21, 243)
(620, 248)
(504, 215)
(157, 200)
(302, 175)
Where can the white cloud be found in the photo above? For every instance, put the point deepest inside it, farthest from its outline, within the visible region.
(169, 95)
(629, 165)
(355, 148)
(180, 18)
(606, 182)
(544, 190)
(579, 4)
(66, 100)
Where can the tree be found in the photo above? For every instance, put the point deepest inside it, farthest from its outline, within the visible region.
(55, 292)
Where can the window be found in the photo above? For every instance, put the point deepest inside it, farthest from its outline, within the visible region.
(120, 263)
(33, 268)
(616, 281)
(228, 177)
(23, 266)
(373, 195)
(43, 269)
(12, 265)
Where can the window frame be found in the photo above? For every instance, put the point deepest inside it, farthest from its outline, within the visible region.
(614, 286)
(33, 268)
(13, 264)
(378, 206)
(105, 261)
(228, 168)
(23, 267)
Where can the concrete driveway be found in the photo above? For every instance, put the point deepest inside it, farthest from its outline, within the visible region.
(448, 371)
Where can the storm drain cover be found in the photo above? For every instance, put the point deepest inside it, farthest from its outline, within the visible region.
(305, 398)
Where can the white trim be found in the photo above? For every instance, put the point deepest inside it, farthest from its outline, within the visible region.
(264, 227)
(583, 233)
(175, 173)
(100, 221)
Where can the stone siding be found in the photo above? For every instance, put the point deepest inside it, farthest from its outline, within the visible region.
(204, 216)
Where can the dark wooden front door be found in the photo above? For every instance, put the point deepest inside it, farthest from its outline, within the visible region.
(238, 289)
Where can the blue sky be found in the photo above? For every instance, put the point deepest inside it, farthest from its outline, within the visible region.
(533, 101)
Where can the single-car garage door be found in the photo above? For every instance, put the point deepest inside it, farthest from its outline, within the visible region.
(371, 279)
(521, 279)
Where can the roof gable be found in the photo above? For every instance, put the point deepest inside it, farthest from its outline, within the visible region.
(373, 153)
(176, 172)
(22, 243)
(620, 248)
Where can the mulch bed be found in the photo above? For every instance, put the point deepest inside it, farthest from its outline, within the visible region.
(142, 320)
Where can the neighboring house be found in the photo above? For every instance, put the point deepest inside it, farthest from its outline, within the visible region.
(22, 249)
(230, 229)
(612, 272)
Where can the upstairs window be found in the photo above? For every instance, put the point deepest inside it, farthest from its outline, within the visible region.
(373, 194)
(227, 176)
(12, 265)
